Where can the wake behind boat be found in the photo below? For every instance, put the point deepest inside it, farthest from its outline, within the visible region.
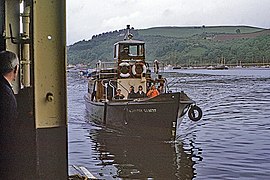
(123, 95)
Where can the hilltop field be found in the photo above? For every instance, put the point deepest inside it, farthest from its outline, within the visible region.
(183, 46)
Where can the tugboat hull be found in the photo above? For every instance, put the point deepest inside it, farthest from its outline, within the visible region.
(152, 117)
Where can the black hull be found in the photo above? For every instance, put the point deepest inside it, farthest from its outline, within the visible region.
(154, 118)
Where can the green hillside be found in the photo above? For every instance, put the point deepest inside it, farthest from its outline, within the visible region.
(182, 45)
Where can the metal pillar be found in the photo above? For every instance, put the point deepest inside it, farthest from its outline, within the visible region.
(49, 63)
(26, 47)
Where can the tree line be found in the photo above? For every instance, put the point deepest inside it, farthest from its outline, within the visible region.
(196, 49)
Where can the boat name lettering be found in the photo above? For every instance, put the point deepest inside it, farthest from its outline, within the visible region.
(142, 110)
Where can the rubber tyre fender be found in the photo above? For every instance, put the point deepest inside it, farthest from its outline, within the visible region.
(191, 113)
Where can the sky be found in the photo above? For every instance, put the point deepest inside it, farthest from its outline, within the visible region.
(86, 18)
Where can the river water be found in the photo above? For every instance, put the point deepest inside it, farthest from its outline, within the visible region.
(232, 141)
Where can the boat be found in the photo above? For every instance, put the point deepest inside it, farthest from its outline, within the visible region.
(177, 67)
(152, 117)
(168, 67)
(218, 67)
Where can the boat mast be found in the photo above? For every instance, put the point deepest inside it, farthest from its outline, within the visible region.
(128, 35)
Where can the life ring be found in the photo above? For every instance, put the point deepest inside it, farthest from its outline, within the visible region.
(156, 66)
(124, 69)
(192, 113)
(138, 69)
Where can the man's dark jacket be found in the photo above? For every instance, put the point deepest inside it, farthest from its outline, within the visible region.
(8, 107)
(8, 129)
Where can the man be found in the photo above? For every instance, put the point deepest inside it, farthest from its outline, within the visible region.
(140, 93)
(119, 95)
(131, 93)
(161, 89)
(9, 65)
(125, 52)
(153, 92)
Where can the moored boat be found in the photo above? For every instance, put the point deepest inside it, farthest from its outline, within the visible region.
(218, 67)
(153, 117)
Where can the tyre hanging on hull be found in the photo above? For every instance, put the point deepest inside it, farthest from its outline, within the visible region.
(195, 113)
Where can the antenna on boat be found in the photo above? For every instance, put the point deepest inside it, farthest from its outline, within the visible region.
(128, 35)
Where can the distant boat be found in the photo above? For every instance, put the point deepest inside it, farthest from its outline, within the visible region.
(177, 67)
(155, 117)
(265, 66)
(219, 66)
(168, 67)
(239, 65)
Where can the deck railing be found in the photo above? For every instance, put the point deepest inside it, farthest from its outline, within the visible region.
(106, 69)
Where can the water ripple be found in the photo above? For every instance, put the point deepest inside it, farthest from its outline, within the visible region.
(231, 141)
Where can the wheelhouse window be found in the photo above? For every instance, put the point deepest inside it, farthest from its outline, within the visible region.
(140, 49)
(133, 50)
